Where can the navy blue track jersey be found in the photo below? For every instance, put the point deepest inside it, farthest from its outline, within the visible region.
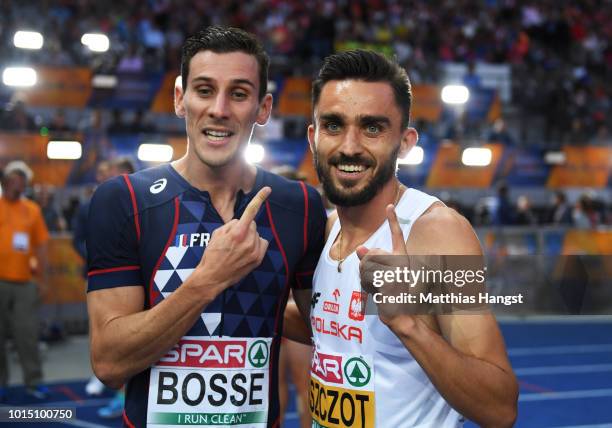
(150, 229)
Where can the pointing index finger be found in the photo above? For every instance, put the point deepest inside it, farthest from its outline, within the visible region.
(253, 207)
(397, 237)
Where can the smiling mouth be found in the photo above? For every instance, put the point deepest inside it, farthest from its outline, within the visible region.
(351, 168)
(217, 135)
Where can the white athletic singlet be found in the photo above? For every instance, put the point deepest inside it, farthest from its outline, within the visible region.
(361, 374)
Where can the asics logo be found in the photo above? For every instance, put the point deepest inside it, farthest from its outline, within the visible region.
(158, 186)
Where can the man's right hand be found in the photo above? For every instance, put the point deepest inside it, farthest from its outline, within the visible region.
(234, 249)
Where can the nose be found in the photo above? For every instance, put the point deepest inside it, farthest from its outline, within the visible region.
(351, 142)
(220, 107)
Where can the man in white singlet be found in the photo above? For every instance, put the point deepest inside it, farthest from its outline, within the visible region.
(389, 370)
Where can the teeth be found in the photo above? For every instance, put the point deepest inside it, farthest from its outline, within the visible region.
(217, 135)
(351, 168)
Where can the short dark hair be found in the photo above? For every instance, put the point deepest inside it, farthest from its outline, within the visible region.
(368, 66)
(124, 165)
(225, 40)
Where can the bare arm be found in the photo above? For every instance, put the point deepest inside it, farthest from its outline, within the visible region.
(295, 326)
(468, 366)
(464, 356)
(125, 339)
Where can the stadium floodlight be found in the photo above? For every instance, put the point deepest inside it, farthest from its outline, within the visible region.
(104, 81)
(96, 42)
(476, 156)
(155, 152)
(255, 153)
(19, 76)
(414, 157)
(28, 40)
(64, 150)
(455, 94)
(554, 158)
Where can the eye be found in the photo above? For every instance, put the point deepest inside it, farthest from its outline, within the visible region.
(332, 127)
(239, 95)
(204, 91)
(373, 129)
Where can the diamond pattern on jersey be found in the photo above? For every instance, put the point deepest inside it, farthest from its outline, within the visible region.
(249, 307)
(211, 321)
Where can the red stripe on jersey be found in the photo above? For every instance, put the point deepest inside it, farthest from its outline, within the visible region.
(134, 205)
(127, 421)
(152, 292)
(117, 269)
(305, 215)
(285, 296)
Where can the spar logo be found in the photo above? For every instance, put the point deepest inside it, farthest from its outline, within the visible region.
(206, 354)
(357, 306)
(192, 240)
(327, 367)
(258, 353)
(357, 372)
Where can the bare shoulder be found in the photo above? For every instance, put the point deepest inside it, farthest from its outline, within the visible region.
(331, 219)
(442, 230)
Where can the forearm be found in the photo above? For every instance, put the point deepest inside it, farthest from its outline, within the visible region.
(126, 345)
(294, 325)
(478, 389)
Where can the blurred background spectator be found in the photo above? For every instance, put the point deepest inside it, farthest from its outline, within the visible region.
(16, 118)
(44, 196)
(559, 53)
(561, 211)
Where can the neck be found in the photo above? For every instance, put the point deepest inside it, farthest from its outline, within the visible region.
(359, 222)
(222, 183)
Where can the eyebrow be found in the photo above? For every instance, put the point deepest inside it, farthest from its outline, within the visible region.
(362, 120)
(331, 117)
(234, 81)
(369, 119)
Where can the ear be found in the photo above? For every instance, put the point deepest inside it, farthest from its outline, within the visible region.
(179, 109)
(410, 136)
(311, 137)
(265, 109)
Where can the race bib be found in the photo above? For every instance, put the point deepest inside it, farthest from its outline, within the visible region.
(204, 381)
(21, 242)
(341, 391)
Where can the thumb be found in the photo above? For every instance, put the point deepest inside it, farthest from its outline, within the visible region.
(361, 252)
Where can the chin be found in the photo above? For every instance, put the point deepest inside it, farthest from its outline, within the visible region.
(218, 161)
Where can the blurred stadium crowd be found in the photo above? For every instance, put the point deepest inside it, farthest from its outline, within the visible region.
(559, 53)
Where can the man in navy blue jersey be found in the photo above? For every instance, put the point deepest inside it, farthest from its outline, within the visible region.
(190, 263)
